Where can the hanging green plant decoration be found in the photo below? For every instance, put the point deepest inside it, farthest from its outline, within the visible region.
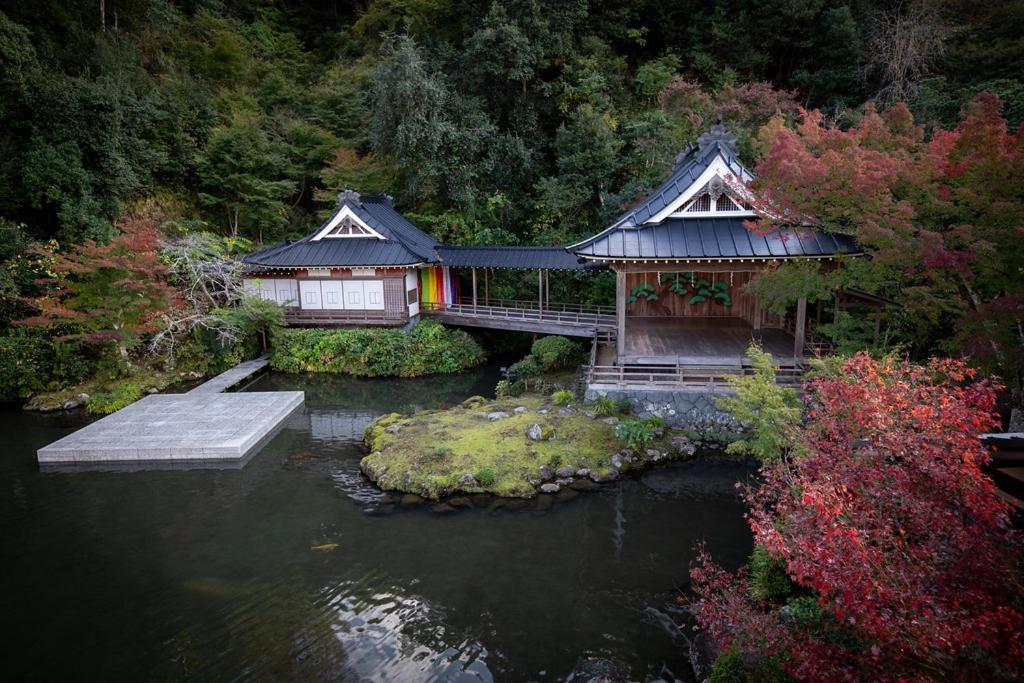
(644, 291)
(705, 290)
(678, 286)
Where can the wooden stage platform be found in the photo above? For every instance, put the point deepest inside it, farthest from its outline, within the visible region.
(699, 341)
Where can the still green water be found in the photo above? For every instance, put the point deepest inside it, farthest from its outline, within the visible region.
(209, 574)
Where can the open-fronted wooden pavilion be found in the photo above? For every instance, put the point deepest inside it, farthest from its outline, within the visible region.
(682, 257)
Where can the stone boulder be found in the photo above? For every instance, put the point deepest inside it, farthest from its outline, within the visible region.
(497, 415)
(520, 410)
(550, 488)
(546, 474)
(467, 480)
(538, 432)
(565, 472)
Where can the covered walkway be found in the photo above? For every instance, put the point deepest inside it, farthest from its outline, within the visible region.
(476, 308)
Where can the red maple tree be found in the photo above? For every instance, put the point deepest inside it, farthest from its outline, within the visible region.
(106, 293)
(941, 216)
(882, 515)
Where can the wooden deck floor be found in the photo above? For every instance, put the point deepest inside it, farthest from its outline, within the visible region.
(699, 341)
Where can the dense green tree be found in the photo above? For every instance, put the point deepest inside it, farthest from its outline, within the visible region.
(241, 173)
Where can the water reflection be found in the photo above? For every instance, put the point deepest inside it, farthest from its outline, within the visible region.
(277, 572)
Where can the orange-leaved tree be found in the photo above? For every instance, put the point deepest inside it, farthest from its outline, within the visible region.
(111, 293)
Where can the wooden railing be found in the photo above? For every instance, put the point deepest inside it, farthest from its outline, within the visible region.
(301, 316)
(533, 304)
(564, 315)
(707, 377)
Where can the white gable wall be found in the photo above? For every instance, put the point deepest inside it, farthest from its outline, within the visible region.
(718, 167)
(346, 212)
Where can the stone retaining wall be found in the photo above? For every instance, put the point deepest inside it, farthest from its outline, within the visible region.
(694, 410)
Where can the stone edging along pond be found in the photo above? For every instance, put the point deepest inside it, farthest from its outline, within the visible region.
(515, 448)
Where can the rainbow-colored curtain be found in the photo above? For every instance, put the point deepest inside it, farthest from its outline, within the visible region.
(437, 286)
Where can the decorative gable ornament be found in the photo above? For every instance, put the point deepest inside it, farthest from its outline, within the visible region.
(346, 223)
(717, 133)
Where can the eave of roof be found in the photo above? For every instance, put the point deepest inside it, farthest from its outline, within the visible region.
(721, 238)
(513, 257)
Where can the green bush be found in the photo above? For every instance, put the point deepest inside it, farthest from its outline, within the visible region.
(562, 397)
(767, 409)
(429, 348)
(729, 668)
(30, 363)
(605, 406)
(553, 353)
(656, 422)
(768, 579)
(523, 370)
(635, 435)
(485, 476)
(120, 395)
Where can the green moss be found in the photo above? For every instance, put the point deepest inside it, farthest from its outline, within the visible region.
(120, 395)
(403, 458)
(107, 396)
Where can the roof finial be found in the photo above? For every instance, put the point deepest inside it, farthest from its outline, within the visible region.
(348, 195)
(717, 133)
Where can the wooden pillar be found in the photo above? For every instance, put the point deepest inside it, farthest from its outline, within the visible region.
(487, 289)
(801, 324)
(547, 288)
(620, 315)
(756, 315)
(474, 290)
(540, 291)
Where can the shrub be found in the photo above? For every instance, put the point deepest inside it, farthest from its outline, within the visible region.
(31, 363)
(523, 370)
(635, 435)
(553, 353)
(562, 397)
(768, 579)
(880, 505)
(120, 395)
(729, 668)
(656, 422)
(762, 404)
(555, 461)
(605, 406)
(429, 348)
(485, 476)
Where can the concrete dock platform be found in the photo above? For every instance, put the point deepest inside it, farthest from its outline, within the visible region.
(198, 426)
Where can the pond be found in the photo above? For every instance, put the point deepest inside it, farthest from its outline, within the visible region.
(286, 568)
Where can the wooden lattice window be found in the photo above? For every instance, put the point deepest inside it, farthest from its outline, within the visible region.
(725, 204)
(701, 203)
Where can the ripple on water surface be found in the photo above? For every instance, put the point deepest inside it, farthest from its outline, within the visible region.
(277, 571)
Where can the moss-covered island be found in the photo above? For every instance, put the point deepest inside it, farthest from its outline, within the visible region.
(514, 447)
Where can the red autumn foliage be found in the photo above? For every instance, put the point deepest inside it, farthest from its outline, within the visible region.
(942, 218)
(883, 513)
(104, 293)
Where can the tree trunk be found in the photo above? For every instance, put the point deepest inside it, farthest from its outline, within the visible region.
(103, 15)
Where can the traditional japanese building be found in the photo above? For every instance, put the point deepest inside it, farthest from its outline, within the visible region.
(366, 264)
(681, 256)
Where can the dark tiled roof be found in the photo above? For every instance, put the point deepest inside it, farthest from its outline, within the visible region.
(726, 237)
(550, 258)
(689, 166)
(404, 243)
